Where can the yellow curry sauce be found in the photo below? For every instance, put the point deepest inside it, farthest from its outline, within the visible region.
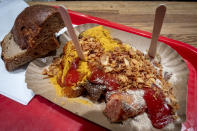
(69, 54)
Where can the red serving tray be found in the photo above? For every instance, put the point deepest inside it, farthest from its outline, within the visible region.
(40, 114)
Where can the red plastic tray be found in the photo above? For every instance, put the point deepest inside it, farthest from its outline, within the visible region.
(40, 114)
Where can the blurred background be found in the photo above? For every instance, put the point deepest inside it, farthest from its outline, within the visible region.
(112, 0)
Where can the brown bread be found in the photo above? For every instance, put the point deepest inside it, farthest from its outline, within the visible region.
(32, 36)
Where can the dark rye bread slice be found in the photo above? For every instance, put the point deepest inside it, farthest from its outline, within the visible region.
(15, 57)
(36, 24)
(32, 36)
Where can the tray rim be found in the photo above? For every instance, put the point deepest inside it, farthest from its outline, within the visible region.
(79, 18)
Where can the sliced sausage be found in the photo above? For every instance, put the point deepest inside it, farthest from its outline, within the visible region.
(122, 105)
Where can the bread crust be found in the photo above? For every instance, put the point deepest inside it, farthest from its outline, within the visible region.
(31, 22)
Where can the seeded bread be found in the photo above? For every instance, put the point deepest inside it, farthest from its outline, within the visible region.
(32, 36)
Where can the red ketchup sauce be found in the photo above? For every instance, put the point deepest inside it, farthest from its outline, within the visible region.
(72, 76)
(158, 111)
(100, 77)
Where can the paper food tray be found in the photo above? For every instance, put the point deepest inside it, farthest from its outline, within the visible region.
(170, 60)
